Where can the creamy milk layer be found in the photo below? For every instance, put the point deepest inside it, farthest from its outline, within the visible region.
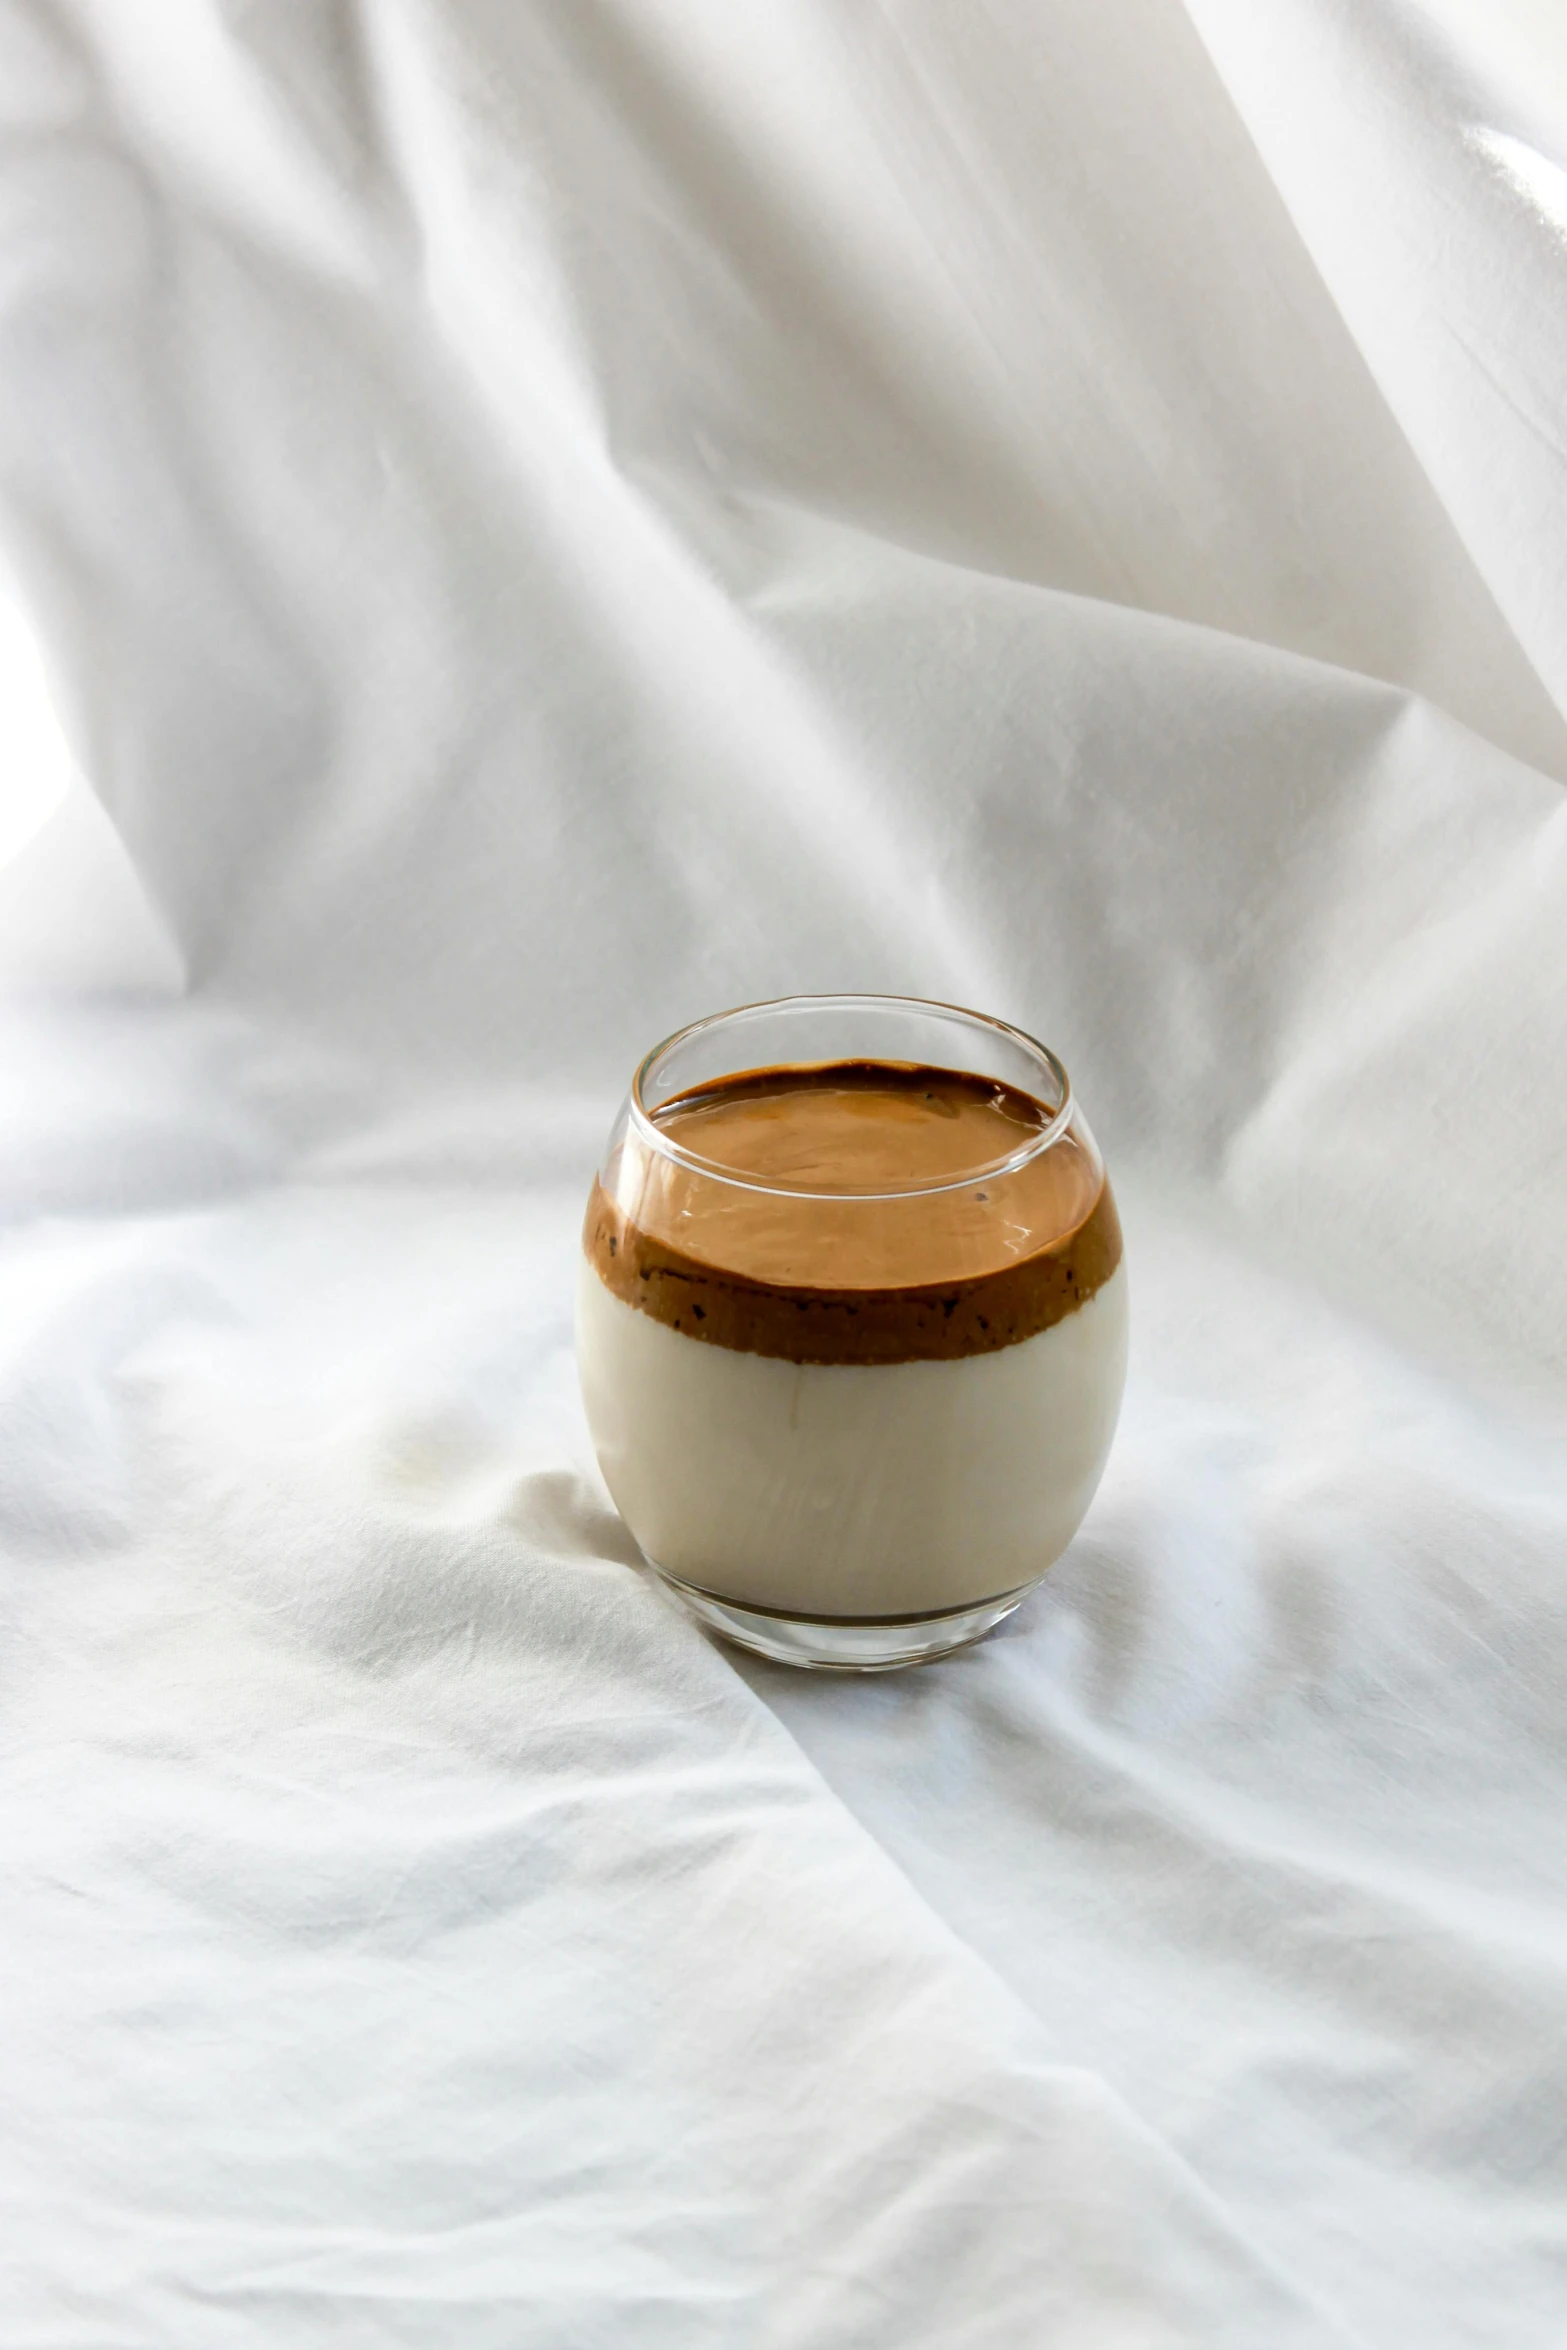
(854, 1345)
(847, 1489)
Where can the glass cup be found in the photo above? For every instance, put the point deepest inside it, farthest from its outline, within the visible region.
(852, 1420)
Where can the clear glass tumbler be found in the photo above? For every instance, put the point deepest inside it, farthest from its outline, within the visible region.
(852, 1323)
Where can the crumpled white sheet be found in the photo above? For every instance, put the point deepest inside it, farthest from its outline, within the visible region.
(546, 520)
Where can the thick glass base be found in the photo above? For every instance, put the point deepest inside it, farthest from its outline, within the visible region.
(844, 1644)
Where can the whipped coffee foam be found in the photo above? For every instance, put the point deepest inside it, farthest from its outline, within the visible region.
(855, 1212)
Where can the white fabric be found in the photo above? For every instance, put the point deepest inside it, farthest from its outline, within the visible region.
(542, 521)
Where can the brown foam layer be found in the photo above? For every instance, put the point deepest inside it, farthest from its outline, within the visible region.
(827, 1271)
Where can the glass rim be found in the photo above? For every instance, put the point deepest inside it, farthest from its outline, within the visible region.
(645, 1123)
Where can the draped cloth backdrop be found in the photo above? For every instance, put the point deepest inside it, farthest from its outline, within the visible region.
(537, 521)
